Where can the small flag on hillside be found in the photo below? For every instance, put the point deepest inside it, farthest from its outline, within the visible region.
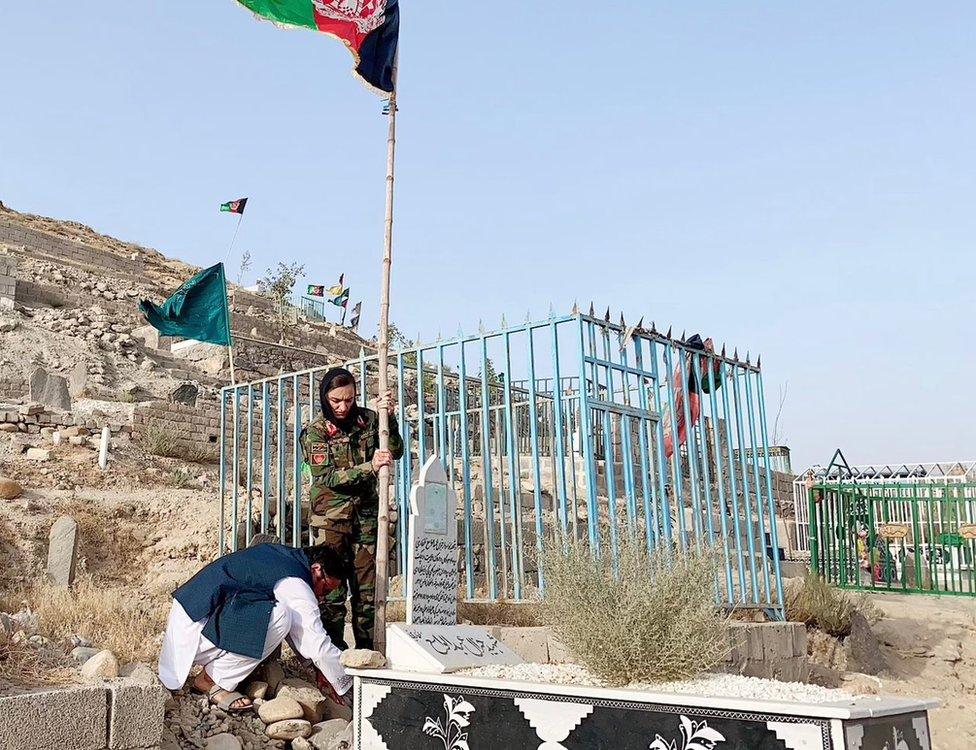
(341, 300)
(197, 310)
(369, 29)
(354, 323)
(234, 207)
(315, 290)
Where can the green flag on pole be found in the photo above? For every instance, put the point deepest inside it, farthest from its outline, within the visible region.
(197, 310)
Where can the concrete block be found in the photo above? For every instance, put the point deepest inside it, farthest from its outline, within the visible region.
(777, 640)
(800, 644)
(738, 643)
(68, 719)
(137, 707)
(532, 644)
(754, 641)
(558, 653)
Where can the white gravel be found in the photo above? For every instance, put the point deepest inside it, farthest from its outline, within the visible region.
(718, 685)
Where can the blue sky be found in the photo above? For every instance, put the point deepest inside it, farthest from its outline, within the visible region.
(796, 180)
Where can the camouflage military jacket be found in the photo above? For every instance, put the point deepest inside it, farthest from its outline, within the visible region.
(341, 465)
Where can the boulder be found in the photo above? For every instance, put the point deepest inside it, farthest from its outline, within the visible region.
(300, 743)
(102, 666)
(8, 427)
(38, 454)
(256, 689)
(324, 734)
(280, 709)
(223, 742)
(50, 390)
(75, 431)
(185, 394)
(82, 654)
(273, 675)
(362, 658)
(288, 729)
(9, 489)
(307, 695)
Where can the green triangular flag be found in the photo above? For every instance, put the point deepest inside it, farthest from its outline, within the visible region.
(197, 310)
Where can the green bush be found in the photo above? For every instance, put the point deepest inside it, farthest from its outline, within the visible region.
(651, 618)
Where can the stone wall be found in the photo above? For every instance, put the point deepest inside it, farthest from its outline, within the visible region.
(33, 418)
(13, 388)
(66, 251)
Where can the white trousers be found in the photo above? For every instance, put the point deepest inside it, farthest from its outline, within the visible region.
(228, 669)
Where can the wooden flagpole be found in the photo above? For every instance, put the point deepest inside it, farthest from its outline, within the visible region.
(383, 525)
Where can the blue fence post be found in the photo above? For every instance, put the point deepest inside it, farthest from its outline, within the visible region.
(486, 472)
(514, 484)
(265, 457)
(234, 473)
(250, 440)
(536, 462)
(774, 536)
(757, 480)
(466, 473)
(223, 472)
(296, 519)
(592, 518)
(745, 488)
(558, 442)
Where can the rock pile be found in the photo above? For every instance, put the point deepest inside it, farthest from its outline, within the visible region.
(296, 717)
(97, 326)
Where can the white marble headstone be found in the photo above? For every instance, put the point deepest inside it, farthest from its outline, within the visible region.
(444, 648)
(433, 554)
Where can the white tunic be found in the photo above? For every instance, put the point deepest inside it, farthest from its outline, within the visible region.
(295, 617)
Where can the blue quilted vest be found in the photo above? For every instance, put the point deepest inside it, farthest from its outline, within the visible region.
(236, 594)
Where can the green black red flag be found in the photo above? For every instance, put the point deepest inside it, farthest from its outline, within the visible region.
(234, 207)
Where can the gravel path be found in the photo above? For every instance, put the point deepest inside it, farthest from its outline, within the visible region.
(725, 685)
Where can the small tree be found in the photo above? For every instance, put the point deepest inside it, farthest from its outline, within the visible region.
(278, 284)
(245, 266)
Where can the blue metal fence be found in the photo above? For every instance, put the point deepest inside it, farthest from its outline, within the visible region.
(547, 429)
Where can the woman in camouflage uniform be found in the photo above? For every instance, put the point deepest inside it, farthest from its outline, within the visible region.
(341, 448)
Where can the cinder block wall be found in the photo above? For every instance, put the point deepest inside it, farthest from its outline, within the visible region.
(191, 427)
(8, 284)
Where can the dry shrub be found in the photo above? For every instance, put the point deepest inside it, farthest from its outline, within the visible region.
(816, 603)
(653, 619)
(107, 617)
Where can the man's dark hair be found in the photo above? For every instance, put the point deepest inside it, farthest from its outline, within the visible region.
(328, 557)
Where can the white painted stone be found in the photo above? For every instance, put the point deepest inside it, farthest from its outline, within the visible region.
(444, 648)
(432, 559)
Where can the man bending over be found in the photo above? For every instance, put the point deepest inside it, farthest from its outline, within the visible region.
(238, 609)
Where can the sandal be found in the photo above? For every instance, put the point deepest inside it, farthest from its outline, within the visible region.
(227, 702)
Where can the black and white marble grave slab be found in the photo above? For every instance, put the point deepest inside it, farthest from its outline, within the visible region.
(408, 711)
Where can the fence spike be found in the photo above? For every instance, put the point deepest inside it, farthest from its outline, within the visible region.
(668, 334)
(622, 321)
(460, 332)
(504, 323)
(575, 310)
(607, 316)
(552, 312)
(640, 324)
(723, 348)
(747, 357)
(592, 313)
(735, 354)
(759, 361)
(653, 327)
(682, 339)
(528, 316)
(481, 326)
(439, 337)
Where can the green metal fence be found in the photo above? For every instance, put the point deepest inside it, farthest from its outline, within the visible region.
(895, 537)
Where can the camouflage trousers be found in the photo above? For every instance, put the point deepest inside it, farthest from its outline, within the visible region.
(355, 541)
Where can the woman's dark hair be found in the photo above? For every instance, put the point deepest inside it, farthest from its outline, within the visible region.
(341, 380)
(328, 557)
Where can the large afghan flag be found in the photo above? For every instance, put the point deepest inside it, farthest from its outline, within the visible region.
(369, 28)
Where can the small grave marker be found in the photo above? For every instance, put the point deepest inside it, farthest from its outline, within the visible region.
(62, 551)
(444, 648)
